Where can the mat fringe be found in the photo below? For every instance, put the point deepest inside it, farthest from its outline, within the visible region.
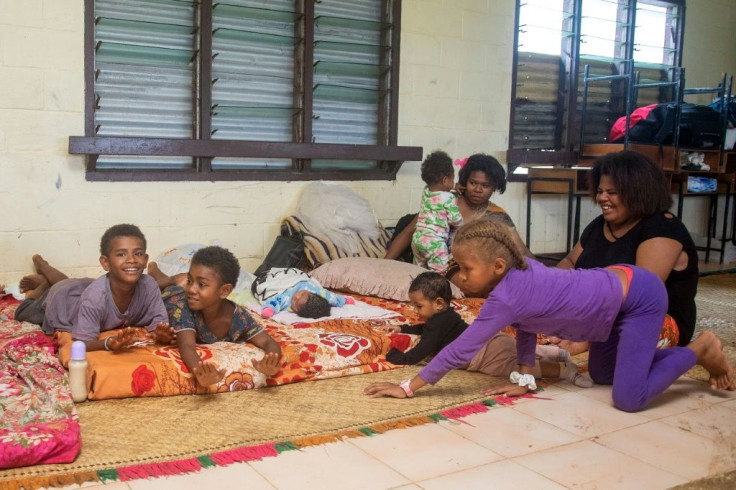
(252, 453)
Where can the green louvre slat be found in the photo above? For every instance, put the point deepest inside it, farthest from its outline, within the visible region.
(349, 48)
(348, 69)
(325, 91)
(265, 112)
(252, 37)
(237, 12)
(131, 26)
(344, 165)
(143, 55)
(352, 24)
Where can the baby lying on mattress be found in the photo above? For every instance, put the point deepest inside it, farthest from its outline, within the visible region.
(279, 289)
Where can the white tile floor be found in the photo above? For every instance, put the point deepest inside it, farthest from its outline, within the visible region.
(572, 439)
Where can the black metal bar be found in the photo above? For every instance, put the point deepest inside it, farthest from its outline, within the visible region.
(713, 203)
(569, 215)
(655, 84)
(606, 77)
(584, 108)
(725, 221)
(528, 212)
(576, 229)
(573, 70)
(629, 99)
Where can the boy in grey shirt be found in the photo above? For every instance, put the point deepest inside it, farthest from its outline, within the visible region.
(86, 307)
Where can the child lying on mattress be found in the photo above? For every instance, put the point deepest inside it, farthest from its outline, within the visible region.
(279, 289)
(430, 295)
(85, 307)
(200, 312)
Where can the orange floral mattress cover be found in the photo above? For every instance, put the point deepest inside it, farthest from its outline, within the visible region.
(311, 351)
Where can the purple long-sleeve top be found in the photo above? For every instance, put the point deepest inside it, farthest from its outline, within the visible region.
(571, 304)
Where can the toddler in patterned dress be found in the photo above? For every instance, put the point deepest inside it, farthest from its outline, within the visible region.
(438, 214)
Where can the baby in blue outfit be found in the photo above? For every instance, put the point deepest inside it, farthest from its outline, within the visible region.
(279, 289)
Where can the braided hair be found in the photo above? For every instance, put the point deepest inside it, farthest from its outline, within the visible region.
(491, 238)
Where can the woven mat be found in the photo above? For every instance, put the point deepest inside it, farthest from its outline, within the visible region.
(134, 432)
(129, 432)
(716, 302)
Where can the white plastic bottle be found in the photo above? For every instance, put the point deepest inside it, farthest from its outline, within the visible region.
(78, 371)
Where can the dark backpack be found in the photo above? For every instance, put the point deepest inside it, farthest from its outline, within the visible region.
(287, 251)
(700, 126)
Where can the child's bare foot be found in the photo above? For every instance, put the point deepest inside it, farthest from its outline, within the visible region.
(163, 280)
(574, 348)
(52, 274)
(155, 272)
(34, 285)
(709, 352)
(31, 282)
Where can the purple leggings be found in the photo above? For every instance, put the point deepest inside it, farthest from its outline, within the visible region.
(629, 358)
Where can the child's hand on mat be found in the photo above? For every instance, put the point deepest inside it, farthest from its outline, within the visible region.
(508, 390)
(376, 390)
(269, 365)
(207, 373)
(390, 328)
(163, 334)
(127, 337)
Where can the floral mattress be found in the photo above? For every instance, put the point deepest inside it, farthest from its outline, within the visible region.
(324, 349)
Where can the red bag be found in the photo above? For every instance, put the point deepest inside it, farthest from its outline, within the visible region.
(619, 127)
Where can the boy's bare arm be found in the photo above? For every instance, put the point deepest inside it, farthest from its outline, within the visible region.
(205, 373)
(266, 343)
(270, 363)
(186, 340)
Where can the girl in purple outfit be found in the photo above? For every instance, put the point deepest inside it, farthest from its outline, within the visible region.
(618, 309)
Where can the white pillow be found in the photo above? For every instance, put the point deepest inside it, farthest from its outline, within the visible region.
(382, 278)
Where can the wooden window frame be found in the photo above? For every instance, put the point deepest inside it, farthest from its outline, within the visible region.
(301, 150)
(567, 154)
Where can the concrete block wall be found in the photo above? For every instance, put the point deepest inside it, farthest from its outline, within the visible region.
(455, 87)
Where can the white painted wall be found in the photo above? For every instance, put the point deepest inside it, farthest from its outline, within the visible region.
(455, 85)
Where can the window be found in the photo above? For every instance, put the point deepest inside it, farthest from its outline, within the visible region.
(556, 40)
(242, 90)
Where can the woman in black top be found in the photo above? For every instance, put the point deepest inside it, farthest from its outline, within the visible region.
(635, 227)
